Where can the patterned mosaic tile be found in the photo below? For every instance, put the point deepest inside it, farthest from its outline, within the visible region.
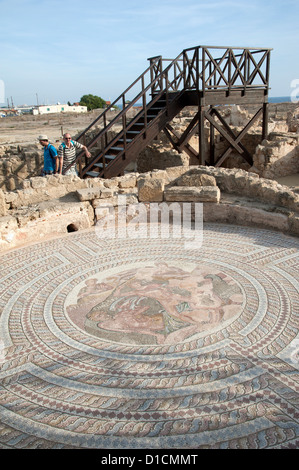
(144, 343)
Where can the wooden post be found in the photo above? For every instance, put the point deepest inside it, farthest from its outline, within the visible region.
(212, 144)
(265, 120)
(201, 133)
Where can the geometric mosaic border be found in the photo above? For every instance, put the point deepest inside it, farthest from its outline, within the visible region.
(232, 386)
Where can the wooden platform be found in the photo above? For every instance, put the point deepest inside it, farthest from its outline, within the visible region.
(203, 76)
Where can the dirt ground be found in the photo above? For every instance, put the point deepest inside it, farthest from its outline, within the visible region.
(25, 129)
(291, 180)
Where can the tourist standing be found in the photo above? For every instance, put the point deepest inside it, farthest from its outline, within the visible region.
(67, 155)
(50, 156)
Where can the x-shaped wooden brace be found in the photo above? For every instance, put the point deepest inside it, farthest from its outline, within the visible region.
(229, 135)
(181, 142)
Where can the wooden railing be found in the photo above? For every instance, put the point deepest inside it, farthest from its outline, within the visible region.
(145, 90)
(202, 69)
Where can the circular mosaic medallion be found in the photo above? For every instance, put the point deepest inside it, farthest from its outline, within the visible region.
(162, 303)
(144, 343)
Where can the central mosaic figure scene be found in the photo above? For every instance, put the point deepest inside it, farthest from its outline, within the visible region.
(156, 304)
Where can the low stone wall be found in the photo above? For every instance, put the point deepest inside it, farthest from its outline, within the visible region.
(21, 162)
(50, 206)
(228, 196)
(18, 163)
(40, 221)
(278, 156)
(275, 157)
(56, 205)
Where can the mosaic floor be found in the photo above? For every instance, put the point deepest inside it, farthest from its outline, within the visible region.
(147, 344)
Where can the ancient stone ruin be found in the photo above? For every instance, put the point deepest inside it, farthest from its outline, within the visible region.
(33, 207)
(150, 343)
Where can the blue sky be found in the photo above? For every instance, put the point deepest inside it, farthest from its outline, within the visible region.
(61, 50)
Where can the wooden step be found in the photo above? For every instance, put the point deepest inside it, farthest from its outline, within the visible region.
(130, 135)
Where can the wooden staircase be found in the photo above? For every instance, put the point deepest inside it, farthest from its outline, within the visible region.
(133, 138)
(203, 76)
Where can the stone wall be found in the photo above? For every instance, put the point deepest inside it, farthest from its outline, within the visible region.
(293, 120)
(56, 205)
(282, 143)
(32, 207)
(277, 156)
(18, 163)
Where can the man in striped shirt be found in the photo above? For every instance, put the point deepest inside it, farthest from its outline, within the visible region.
(67, 155)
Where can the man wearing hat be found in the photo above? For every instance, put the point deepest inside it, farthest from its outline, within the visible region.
(50, 156)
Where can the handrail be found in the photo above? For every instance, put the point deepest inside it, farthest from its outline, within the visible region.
(124, 111)
(112, 105)
(200, 71)
(130, 105)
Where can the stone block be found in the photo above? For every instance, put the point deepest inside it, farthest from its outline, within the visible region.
(101, 212)
(10, 198)
(107, 192)
(11, 184)
(196, 180)
(25, 184)
(175, 172)
(67, 179)
(26, 197)
(38, 182)
(26, 215)
(94, 182)
(160, 175)
(216, 212)
(150, 189)
(53, 180)
(89, 194)
(128, 191)
(8, 222)
(113, 183)
(8, 230)
(2, 204)
(127, 181)
(55, 217)
(263, 218)
(192, 194)
(114, 201)
(294, 224)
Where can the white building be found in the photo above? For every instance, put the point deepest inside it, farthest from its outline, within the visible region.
(59, 108)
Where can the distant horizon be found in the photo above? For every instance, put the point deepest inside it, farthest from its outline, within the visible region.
(272, 99)
(288, 97)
